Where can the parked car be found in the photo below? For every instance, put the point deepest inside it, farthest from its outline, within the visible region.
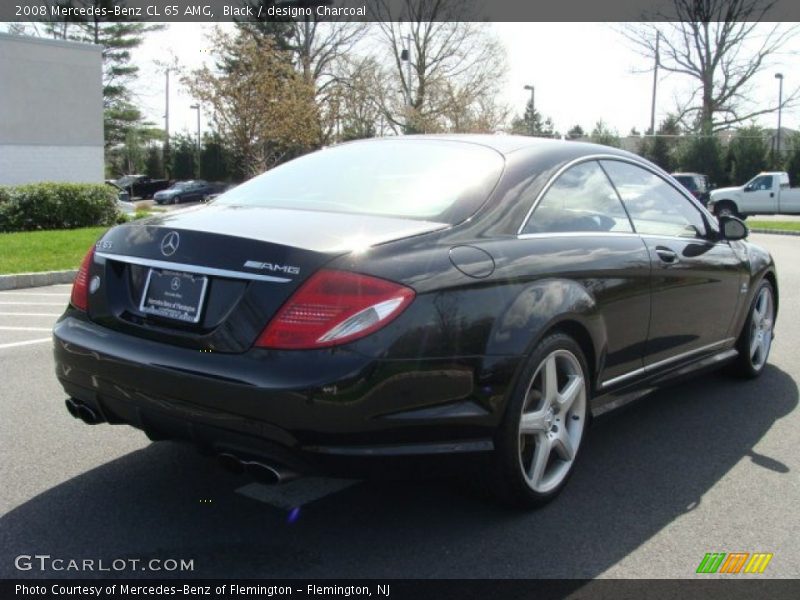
(186, 191)
(420, 295)
(141, 186)
(767, 193)
(697, 184)
(122, 194)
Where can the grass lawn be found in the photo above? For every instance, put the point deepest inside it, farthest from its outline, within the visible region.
(32, 251)
(779, 225)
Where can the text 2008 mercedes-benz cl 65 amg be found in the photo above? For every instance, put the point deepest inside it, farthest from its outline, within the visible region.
(414, 296)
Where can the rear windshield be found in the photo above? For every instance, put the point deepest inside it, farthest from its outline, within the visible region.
(432, 180)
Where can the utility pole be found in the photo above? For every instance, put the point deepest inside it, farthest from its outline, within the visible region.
(779, 77)
(166, 129)
(655, 85)
(197, 108)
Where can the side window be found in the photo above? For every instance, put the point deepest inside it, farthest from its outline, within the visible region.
(655, 207)
(762, 183)
(581, 199)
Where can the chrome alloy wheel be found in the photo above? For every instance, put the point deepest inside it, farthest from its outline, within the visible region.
(761, 323)
(552, 422)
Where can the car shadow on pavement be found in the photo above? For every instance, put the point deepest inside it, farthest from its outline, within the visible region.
(642, 467)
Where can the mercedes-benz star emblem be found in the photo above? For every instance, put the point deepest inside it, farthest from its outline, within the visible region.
(170, 243)
(175, 284)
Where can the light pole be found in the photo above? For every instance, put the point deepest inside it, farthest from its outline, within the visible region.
(779, 77)
(166, 157)
(533, 109)
(197, 108)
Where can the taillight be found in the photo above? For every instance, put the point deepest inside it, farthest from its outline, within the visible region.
(334, 307)
(80, 288)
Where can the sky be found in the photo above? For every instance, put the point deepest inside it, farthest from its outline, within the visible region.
(581, 72)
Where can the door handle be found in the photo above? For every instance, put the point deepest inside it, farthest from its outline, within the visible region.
(772, 194)
(666, 255)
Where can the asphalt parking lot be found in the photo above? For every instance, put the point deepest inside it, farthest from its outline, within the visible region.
(709, 465)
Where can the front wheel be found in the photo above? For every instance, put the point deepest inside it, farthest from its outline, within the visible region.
(544, 425)
(755, 340)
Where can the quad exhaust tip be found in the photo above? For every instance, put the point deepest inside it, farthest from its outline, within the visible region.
(261, 472)
(83, 412)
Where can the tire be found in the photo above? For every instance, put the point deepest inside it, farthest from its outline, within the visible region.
(176, 200)
(755, 340)
(726, 208)
(532, 468)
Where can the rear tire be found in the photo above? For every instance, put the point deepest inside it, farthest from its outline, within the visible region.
(544, 425)
(176, 200)
(755, 341)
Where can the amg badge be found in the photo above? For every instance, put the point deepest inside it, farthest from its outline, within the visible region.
(288, 269)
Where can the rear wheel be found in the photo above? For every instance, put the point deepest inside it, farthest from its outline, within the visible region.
(755, 340)
(543, 428)
(176, 200)
(726, 208)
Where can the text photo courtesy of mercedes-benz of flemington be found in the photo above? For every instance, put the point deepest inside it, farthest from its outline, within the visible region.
(411, 297)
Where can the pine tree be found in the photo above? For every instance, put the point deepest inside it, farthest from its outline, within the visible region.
(117, 38)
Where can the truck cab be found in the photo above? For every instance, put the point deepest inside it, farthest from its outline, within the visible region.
(767, 193)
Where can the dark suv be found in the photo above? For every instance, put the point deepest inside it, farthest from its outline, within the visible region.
(696, 183)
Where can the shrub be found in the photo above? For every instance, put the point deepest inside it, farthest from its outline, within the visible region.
(56, 206)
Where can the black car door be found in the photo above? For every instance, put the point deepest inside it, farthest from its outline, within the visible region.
(696, 278)
(579, 232)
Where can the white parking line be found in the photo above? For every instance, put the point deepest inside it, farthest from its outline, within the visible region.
(28, 303)
(25, 343)
(9, 328)
(295, 493)
(63, 294)
(18, 314)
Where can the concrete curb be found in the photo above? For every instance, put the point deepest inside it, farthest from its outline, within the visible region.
(26, 280)
(775, 232)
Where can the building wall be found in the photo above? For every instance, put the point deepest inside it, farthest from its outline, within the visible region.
(51, 111)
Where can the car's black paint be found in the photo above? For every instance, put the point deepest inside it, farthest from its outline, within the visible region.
(437, 378)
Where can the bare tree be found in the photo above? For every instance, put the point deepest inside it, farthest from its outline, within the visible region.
(261, 106)
(354, 99)
(456, 66)
(721, 45)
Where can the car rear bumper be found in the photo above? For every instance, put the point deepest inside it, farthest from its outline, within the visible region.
(295, 408)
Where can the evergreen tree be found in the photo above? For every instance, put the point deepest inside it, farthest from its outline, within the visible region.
(792, 163)
(601, 134)
(703, 154)
(154, 162)
(576, 132)
(214, 159)
(531, 123)
(748, 152)
(661, 148)
(183, 154)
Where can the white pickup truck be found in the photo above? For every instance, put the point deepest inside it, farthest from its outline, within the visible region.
(765, 194)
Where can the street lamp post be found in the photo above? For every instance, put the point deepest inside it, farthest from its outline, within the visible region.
(533, 109)
(197, 108)
(779, 77)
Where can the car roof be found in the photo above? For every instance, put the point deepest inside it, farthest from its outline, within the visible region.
(508, 144)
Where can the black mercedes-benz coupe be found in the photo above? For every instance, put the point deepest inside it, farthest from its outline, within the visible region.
(414, 296)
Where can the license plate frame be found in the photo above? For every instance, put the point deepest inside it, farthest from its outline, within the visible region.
(171, 296)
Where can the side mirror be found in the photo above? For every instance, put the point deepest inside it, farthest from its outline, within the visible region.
(732, 228)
